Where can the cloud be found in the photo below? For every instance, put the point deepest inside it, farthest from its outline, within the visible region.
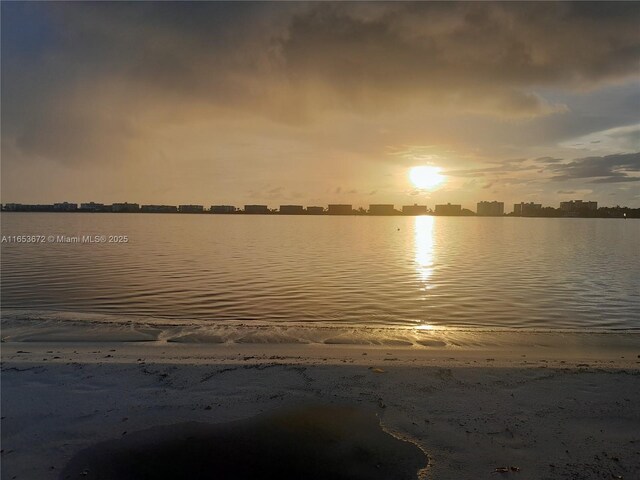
(548, 160)
(607, 169)
(101, 71)
(486, 57)
(620, 138)
(193, 97)
(610, 169)
(626, 137)
(616, 179)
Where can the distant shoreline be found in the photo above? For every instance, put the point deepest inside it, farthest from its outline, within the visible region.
(631, 214)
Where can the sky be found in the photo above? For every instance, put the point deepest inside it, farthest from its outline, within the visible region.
(318, 103)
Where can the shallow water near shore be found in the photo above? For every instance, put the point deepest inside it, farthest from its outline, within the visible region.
(423, 272)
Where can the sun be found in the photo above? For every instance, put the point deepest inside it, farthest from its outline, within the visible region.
(425, 177)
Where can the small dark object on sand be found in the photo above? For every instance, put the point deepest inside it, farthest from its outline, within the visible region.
(506, 469)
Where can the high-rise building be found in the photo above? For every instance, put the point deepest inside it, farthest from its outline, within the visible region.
(491, 209)
(527, 209)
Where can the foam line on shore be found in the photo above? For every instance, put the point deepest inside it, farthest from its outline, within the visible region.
(62, 327)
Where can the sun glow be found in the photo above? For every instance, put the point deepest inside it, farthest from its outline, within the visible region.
(425, 177)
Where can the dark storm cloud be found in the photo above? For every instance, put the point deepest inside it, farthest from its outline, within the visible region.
(458, 44)
(85, 87)
(607, 169)
(288, 61)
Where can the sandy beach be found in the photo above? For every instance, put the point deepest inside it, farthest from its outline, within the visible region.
(557, 408)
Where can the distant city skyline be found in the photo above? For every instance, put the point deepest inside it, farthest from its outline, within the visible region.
(315, 103)
(483, 208)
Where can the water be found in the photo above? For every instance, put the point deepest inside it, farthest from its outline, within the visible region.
(427, 272)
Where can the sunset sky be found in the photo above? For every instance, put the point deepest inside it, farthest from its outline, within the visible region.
(317, 103)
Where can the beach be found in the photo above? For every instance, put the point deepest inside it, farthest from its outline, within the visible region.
(353, 240)
(526, 406)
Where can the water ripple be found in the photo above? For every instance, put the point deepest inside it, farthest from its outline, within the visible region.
(442, 272)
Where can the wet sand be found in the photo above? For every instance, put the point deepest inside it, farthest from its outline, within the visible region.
(484, 411)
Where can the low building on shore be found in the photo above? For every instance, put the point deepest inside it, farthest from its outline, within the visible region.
(449, 209)
(65, 207)
(382, 209)
(125, 207)
(315, 210)
(95, 207)
(340, 209)
(11, 207)
(191, 208)
(291, 210)
(223, 209)
(159, 209)
(414, 209)
(20, 207)
(256, 209)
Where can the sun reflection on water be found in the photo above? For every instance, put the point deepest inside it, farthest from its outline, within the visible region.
(424, 246)
(425, 326)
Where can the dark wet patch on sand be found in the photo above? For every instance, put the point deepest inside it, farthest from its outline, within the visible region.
(314, 443)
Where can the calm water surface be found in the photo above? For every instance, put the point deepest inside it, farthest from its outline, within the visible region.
(492, 273)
